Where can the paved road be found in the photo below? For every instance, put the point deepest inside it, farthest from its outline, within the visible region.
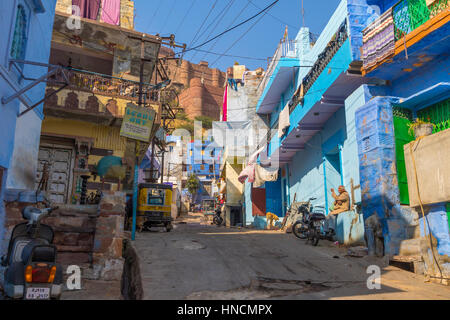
(197, 261)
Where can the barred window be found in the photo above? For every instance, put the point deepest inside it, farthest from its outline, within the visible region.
(19, 42)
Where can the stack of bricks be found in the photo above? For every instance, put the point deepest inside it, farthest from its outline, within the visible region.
(126, 11)
(109, 236)
(127, 14)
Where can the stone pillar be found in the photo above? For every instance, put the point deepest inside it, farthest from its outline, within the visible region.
(377, 167)
(109, 235)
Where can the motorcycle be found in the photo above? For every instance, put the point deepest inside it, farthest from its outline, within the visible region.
(218, 220)
(310, 224)
(31, 270)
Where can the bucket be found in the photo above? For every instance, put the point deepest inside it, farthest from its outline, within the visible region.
(424, 129)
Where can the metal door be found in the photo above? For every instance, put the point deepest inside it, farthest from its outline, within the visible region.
(59, 163)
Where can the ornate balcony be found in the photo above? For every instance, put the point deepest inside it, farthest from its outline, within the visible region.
(400, 27)
(285, 49)
(93, 94)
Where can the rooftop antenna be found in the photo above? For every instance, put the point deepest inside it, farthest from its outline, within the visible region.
(303, 15)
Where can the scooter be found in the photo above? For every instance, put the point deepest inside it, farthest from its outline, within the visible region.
(218, 220)
(31, 270)
(310, 224)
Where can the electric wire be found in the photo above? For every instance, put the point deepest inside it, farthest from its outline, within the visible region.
(170, 12)
(201, 26)
(228, 26)
(218, 19)
(228, 30)
(185, 16)
(150, 22)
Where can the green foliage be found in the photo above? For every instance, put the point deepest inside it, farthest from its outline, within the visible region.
(192, 184)
(206, 121)
(413, 125)
(187, 126)
(181, 115)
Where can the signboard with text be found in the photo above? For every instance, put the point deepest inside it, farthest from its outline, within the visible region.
(137, 123)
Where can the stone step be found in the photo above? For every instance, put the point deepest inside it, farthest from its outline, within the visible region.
(413, 263)
(76, 258)
(411, 247)
(70, 222)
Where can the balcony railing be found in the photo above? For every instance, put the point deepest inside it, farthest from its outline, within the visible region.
(322, 61)
(108, 85)
(405, 16)
(285, 49)
(410, 14)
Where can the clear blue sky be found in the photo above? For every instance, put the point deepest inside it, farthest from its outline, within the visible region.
(166, 17)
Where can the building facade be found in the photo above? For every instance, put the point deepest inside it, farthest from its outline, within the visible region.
(203, 160)
(82, 121)
(340, 110)
(27, 29)
(412, 37)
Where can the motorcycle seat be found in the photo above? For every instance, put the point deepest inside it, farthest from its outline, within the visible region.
(317, 216)
(38, 250)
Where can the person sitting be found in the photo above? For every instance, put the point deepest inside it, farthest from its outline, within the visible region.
(341, 204)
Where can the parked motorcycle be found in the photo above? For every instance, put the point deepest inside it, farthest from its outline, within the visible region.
(31, 270)
(310, 224)
(218, 220)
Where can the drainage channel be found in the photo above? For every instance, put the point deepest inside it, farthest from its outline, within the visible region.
(131, 284)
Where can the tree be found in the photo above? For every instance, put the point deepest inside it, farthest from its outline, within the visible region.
(192, 185)
(206, 121)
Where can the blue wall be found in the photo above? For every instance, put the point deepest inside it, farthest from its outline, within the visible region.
(20, 136)
(273, 197)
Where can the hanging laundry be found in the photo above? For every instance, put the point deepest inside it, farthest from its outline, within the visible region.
(378, 40)
(248, 172)
(232, 83)
(283, 121)
(224, 105)
(111, 11)
(88, 8)
(264, 174)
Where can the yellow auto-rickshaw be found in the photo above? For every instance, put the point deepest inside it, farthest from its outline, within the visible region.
(154, 206)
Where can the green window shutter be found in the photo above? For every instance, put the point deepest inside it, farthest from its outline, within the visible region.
(402, 117)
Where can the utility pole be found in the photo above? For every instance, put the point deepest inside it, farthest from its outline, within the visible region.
(163, 151)
(136, 145)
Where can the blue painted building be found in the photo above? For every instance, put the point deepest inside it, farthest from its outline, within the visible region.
(203, 159)
(413, 84)
(26, 35)
(315, 82)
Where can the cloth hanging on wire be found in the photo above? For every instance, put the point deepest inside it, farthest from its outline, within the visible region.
(264, 174)
(88, 8)
(378, 40)
(248, 172)
(283, 121)
(224, 104)
(111, 11)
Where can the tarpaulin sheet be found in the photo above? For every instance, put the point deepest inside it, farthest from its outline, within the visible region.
(232, 133)
(264, 174)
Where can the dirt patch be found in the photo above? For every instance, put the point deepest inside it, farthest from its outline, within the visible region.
(265, 288)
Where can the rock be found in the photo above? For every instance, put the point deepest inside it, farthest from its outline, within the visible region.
(358, 252)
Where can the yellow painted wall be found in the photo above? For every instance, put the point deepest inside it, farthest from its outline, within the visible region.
(104, 137)
(235, 189)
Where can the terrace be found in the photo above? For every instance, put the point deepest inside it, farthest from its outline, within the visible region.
(94, 96)
(417, 28)
(276, 79)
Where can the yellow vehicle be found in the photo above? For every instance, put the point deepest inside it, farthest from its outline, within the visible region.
(154, 206)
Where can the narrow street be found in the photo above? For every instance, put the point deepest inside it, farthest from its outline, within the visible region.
(200, 261)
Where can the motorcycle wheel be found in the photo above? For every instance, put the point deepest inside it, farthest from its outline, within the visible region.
(298, 231)
(217, 221)
(316, 237)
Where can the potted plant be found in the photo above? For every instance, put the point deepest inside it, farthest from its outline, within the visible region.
(420, 128)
